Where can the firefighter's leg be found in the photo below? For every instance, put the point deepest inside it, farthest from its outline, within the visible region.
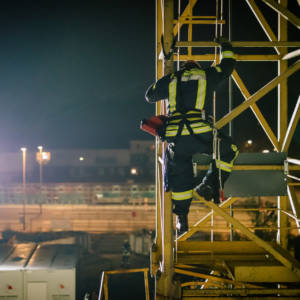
(228, 154)
(220, 169)
(180, 181)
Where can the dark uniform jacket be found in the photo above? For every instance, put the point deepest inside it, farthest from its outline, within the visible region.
(190, 91)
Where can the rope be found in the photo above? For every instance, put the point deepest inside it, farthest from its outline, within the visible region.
(216, 140)
(178, 33)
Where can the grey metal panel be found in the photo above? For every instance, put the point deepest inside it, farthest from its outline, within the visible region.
(256, 183)
(54, 257)
(19, 257)
(66, 258)
(272, 158)
(5, 250)
(245, 183)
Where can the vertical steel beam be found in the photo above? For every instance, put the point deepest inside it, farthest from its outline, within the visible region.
(158, 154)
(164, 286)
(282, 236)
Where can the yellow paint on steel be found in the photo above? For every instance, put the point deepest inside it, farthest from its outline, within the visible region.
(105, 287)
(251, 44)
(294, 204)
(262, 21)
(291, 128)
(284, 12)
(184, 14)
(205, 219)
(287, 261)
(104, 281)
(238, 57)
(256, 273)
(215, 278)
(254, 167)
(258, 95)
(282, 112)
(264, 124)
(192, 21)
(204, 294)
(126, 271)
(146, 280)
(158, 144)
(282, 107)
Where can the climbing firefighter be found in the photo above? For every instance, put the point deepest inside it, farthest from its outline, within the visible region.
(189, 130)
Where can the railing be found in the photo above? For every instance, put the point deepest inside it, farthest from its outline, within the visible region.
(84, 193)
(103, 291)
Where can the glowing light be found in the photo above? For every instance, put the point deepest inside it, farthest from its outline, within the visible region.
(265, 151)
(249, 142)
(133, 171)
(81, 158)
(45, 155)
(23, 149)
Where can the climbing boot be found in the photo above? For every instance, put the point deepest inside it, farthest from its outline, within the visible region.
(205, 191)
(182, 224)
(216, 197)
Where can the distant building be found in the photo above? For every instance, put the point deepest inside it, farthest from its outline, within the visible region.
(83, 165)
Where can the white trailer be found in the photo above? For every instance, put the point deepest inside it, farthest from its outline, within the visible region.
(12, 263)
(51, 273)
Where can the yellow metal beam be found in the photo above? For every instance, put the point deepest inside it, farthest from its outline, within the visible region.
(185, 13)
(218, 293)
(157, 248)
(214, 278)
(253, 167)
(262, 21)
(258, 95)
(238, 57)
(253, 273)
(294, 205)
(220, 247)
(126, 271)
(193, 21)
(251, 44)
(205, 219)
(264, 124)
(282, 112)
(290, 263)
(291, 128)
(284, 12)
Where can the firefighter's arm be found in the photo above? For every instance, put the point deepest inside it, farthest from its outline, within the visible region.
(227, 64)
(227, 59)
(158, 90)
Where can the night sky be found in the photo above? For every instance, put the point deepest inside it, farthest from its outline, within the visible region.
(73, 73)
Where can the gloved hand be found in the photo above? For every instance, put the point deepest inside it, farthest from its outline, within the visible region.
(221, 40)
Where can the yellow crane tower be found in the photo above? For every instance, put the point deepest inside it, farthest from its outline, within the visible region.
(193, 266)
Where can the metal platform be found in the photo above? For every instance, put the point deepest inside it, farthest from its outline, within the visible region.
(253, 174)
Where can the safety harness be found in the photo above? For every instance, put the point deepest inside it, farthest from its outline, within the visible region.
(185, 121)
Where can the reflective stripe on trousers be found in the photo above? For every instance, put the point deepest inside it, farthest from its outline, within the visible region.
(177, 196)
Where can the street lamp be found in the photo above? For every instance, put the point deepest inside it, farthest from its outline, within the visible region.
(42, 158)
(23, 149)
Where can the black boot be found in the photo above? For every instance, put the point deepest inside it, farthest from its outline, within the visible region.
(182, 224)
(216, 197)
(205, 191)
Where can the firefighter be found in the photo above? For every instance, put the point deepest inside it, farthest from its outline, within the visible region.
(189, 130)
(126, 253)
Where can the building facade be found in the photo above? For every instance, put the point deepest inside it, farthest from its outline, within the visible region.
(82, 165)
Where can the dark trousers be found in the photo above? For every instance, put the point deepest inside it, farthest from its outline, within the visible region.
(179, 176)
